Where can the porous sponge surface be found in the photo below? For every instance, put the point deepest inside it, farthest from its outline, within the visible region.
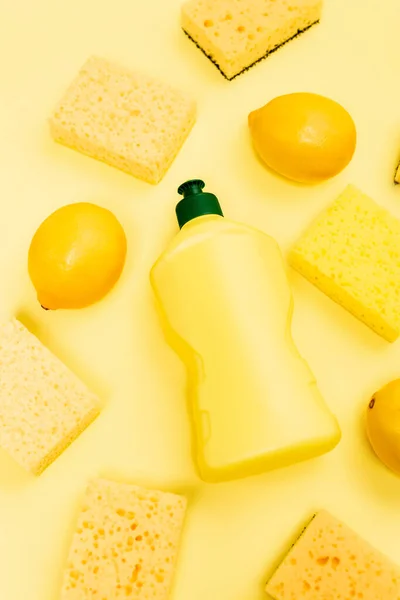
(125, 544)
(43, 405)
(235, 35)
(352, 253)
(126, 119)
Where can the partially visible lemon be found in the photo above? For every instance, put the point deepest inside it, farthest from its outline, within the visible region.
(383, 424)
(76, 256)
(305, 137)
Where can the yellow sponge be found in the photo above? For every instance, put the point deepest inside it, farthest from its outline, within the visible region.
(331, 561)
(235, 35)
(351, 252)
(124, 118)
(43, 405)
(125, 545)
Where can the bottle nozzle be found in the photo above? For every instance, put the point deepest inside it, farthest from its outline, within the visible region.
(191, 187)
(196, 203)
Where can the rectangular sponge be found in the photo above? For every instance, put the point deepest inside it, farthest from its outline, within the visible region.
(352, 253)
(123, 118)
(43, 405)
(125, 545)
(236, 34)
(331, 561)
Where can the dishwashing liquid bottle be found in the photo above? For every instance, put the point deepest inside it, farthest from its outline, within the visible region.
(226, 306)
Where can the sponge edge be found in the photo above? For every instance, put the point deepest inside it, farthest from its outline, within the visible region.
(329, 560)
(44, 407)
(397, 174)
(125, 544)
(124, 118)
(236, 35)
(351, 252)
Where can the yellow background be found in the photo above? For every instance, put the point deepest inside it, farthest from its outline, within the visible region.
(234, 531)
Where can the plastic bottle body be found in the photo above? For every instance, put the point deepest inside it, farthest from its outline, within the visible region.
(227, 307)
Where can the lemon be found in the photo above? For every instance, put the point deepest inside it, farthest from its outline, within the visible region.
(76, 256)
(305, 137)
(383, 424)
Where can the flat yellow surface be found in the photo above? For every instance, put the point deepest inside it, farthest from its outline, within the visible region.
(235, 531)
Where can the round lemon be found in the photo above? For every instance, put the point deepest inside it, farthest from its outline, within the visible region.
(76, 256)
(305, 137)
(383, 424)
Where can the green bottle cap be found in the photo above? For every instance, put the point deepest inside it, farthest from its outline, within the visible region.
(195, 203)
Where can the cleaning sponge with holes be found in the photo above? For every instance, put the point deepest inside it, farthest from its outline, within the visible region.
(43, 406)
(329, 560)
(352, 253)
(125, 545)
(235, 35)
(123, 118)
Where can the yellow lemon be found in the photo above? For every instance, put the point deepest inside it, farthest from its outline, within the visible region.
(383, 424)
(76, 256)
(305, 137)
